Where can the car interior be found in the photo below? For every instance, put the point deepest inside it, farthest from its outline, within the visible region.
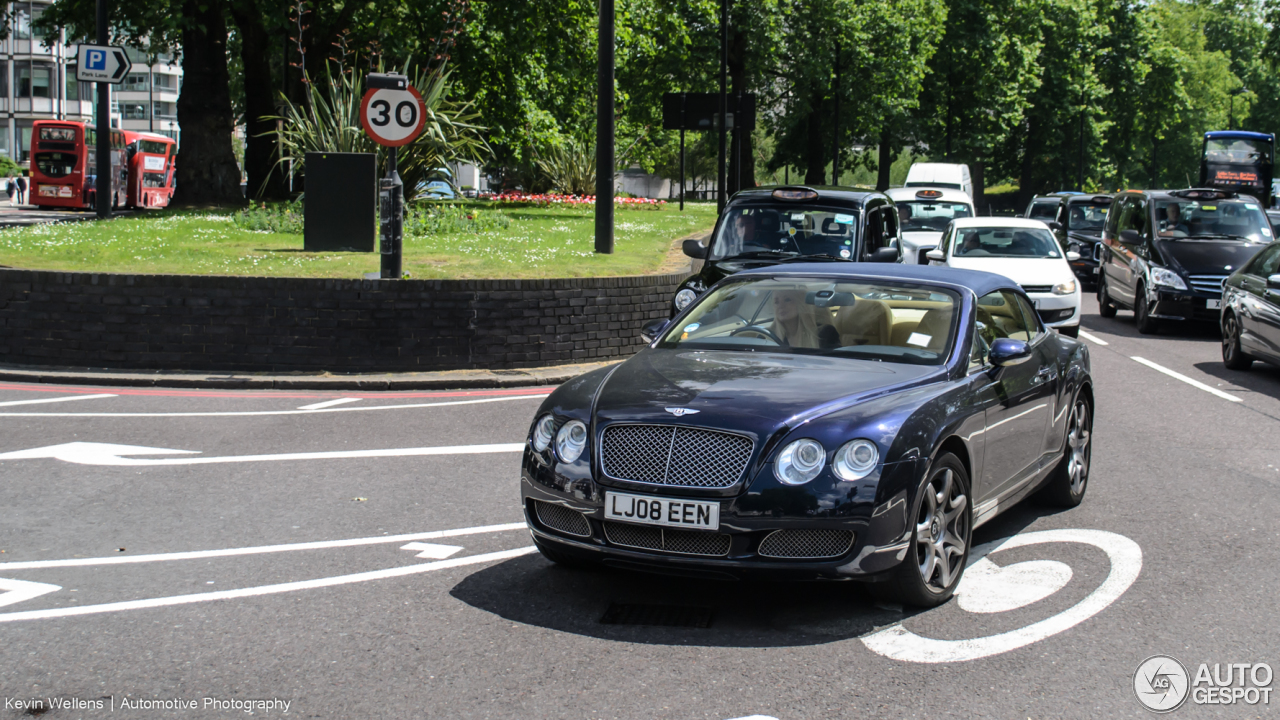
(806, 231)
(1005, 242)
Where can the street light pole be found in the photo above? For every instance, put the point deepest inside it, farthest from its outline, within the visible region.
(721, 174)
(604, 129)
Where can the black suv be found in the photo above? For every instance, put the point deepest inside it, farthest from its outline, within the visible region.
(1165, 254)
(771, 225)
(1076, 220)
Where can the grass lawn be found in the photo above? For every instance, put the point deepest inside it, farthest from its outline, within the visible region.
(472, 240)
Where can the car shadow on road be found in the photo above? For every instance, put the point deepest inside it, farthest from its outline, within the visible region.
(1263, 379)
(1122, 325)
(533, 591)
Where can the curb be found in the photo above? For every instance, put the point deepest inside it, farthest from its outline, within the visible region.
(448, 380)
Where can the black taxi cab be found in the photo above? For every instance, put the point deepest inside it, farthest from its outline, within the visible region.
(1076, 220)
(789, 224)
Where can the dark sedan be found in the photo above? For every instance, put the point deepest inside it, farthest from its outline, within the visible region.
(1251, 312)
(772, 225)
(815, 421)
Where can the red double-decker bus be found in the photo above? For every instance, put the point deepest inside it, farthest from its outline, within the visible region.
(64, 163)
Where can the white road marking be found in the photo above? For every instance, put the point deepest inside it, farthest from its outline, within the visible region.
(329, 403)
(15, 591)
(898, 643)
(989, 588)
(431, 550)
(55, 400)
(90, 453)
(231, 552)
(1187, 380)
(248, 413)
(1093, 338)
(264, 589)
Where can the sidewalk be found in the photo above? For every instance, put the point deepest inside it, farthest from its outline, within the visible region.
(447, 380)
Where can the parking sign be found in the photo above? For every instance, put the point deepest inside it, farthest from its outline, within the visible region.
(102, 63)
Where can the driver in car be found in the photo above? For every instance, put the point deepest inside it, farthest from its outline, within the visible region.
(796, 324)
(1173, 221)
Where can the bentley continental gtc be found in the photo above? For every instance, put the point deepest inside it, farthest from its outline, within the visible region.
(815, 421)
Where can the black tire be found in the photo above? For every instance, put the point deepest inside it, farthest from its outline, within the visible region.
(921, 580)
(1142, 319)
(563, 558)
(1106, 308)
(1073, 331)
(1233, 356)
(1070, 479)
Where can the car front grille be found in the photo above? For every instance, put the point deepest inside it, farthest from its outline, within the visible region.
(671, 455)
(683, 542)
(806, 544)
(558, 517)
(1037, 289)
(1208, 283)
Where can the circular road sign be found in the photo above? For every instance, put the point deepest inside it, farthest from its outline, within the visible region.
(392, 117)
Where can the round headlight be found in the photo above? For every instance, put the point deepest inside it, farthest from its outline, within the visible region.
(543, 432)
(571, 441)
(1065, 288)
(684, 298)
(855, 459)
(800, 462)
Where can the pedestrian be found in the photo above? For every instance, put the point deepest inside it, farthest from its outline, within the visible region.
(22, 188)
(10, 187)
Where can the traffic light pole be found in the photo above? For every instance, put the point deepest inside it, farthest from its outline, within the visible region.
(102, 184)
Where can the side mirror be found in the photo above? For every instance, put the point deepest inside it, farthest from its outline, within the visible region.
(1007, 351)
(1130, 237)
(1055, 226)
(695, 249)
(936, 256)
(654, 328)
(1273, 281)
(884, 255)
(1072, 256)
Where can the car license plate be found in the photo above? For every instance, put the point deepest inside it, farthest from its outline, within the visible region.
(1213, 304)
(670, 512)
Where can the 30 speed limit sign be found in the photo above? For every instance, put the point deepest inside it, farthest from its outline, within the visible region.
(392, 117)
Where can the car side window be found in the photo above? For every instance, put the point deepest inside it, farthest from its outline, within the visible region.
(1267, 262)
(879, 229)
(1062, 215)
(1113, 216)
(1031, 321)
(999, 316)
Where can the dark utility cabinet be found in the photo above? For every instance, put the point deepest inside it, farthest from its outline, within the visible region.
(341, 198)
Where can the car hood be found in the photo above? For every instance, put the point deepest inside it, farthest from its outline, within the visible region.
(1208, 257)
(756, 393)
(1024, 271)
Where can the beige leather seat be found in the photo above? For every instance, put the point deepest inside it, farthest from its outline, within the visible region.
(869, 322)
(936, 324)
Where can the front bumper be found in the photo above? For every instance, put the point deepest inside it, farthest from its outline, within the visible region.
(880, 538)
(1057, 310)
(1191, 305)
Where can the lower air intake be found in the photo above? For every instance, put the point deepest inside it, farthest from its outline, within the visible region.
(558, 517)
(684, 542)
(806, 544)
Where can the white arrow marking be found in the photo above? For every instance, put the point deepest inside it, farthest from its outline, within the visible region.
(247, 413)
(89, 453)
(230, 552)
(53, 400)
(265, 589)
(898, 643)
(329, 403)
(432, 551)
(15, 591)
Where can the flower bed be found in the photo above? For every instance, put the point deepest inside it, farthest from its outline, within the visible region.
(550, 199)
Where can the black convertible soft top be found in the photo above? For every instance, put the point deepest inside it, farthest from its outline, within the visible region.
(979, 282)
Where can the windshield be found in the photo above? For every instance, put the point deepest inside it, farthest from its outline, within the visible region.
(1192, 219)
(875, 320)
(1237, 152)
(1087, 217)
(55, 165)
(1043, 210)
(786, 228)
(924, 216)
(1005, 242)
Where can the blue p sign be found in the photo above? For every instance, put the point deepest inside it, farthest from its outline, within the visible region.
(95, 60)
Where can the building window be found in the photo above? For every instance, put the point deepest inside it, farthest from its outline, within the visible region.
(36, 11)
(77, 90)
(4, 82)
(22, 21)
(165, 110)
(135, 83)
(165, 82)
(134, 110)
(34, 80)
(24, 142)
(4, 140)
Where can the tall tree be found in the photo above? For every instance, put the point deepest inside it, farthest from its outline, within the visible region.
(207, 172)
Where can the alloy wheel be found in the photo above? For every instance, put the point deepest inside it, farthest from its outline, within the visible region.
(1229, 340)
(1079, 433)
(942, 531)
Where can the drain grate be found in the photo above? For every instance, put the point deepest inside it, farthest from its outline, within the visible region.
(663, 615)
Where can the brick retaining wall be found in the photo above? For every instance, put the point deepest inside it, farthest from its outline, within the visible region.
(181, 322)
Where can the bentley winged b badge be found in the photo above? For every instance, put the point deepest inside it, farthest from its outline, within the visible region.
(681, 412)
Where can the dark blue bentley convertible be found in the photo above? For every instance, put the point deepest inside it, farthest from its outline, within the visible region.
(815, 421)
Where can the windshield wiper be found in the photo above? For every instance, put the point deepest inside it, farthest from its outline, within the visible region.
(767, 254)
(1213, 236)
(816, 256)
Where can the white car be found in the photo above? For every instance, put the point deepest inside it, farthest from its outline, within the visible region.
(923, 213)
(1023, 251)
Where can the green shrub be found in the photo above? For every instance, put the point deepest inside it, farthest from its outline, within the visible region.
(272, 217)
(423, 220)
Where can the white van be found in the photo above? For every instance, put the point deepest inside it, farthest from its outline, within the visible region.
(940, 175)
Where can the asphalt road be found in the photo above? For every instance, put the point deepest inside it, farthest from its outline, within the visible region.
(209, 577)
